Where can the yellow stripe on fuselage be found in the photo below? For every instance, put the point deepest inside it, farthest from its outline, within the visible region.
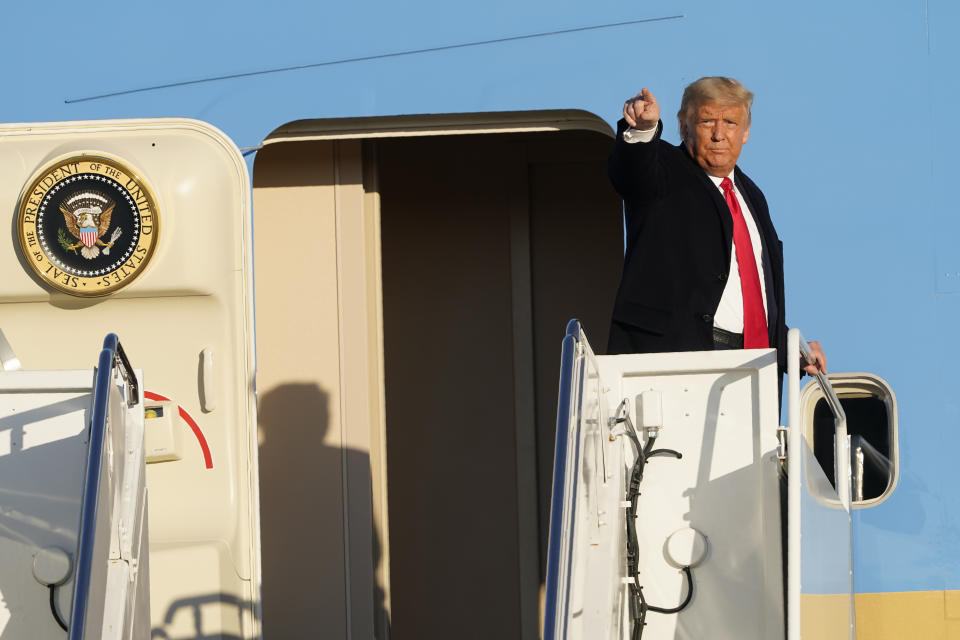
(904, 615)
(824, 616)
(908, 615)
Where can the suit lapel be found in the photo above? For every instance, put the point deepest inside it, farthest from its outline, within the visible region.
(762, 217)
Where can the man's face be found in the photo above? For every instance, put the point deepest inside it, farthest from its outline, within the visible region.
(714, 136)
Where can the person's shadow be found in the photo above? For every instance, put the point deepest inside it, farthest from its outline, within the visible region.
(302, 517)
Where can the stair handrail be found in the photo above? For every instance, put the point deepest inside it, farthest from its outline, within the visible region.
(112, 359)
(799, 352)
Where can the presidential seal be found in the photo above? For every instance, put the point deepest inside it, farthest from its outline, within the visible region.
(87, 225)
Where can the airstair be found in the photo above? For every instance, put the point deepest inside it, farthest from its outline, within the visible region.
(682, 510)
(73, 500)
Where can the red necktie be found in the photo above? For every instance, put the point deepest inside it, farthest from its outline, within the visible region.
(754, 315)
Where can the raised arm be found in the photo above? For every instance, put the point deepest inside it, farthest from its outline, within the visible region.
(634, 164)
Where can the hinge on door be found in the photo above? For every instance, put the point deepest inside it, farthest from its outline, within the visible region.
(782, 445)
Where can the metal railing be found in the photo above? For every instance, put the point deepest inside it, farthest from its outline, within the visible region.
(841, 441)
(866, 461)
(560, 540)
(798, 352)
(112, 359)
(798, 348)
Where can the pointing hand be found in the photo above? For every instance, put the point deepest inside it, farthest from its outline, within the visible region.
(642, 111)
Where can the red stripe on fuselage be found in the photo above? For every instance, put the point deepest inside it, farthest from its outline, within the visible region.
(204, 447)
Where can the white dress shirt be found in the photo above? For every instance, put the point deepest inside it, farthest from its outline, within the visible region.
(729, 313)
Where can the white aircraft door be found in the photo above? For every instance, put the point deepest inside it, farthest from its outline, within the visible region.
(142, 228)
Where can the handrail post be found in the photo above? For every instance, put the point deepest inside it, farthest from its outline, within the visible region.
(842, 471)
(111, 358)
(797, 347)
(794, 444)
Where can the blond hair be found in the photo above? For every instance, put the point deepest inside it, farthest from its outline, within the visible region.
(726, 91)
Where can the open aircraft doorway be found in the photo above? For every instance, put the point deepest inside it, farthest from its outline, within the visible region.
(413, 279)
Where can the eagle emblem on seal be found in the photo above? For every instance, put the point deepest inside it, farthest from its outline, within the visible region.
(87, 216)
(87, 225)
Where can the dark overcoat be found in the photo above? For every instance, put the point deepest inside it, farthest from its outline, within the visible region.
(679, 239)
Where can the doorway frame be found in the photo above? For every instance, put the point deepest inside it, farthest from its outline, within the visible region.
(362, 372)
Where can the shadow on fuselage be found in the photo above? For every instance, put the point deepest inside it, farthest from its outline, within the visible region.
(302, 511)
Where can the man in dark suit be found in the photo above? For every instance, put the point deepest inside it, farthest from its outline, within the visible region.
(703, 267)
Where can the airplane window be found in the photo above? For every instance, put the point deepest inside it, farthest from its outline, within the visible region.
(872, 426)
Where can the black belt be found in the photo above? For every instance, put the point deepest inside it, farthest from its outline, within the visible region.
(723, 339)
